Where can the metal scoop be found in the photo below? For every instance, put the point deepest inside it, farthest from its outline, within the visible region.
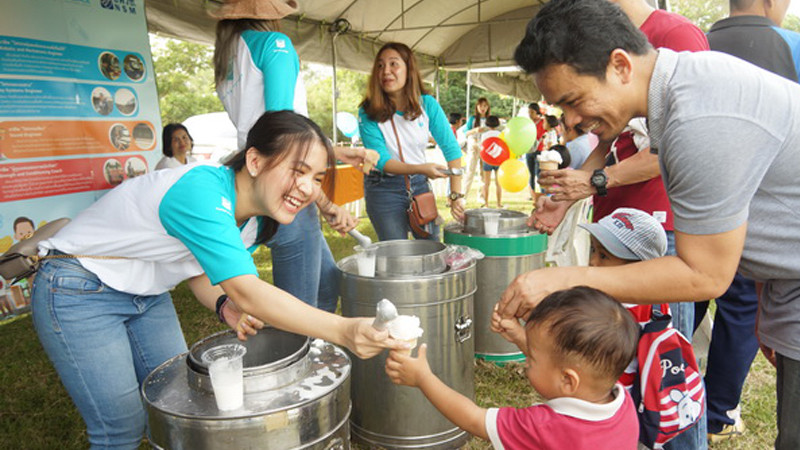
(385, 313)
(362, 240)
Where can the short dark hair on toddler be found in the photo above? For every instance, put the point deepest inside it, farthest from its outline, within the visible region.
(492, 121)
(588, 324)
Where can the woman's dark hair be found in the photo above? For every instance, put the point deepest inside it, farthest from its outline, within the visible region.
(579, 33)
(277, 135)
(377, 104)
(477, 122)
(590, 325)
(535, 106)
(166, 137)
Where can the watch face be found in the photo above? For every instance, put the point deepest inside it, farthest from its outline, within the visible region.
(598, 178)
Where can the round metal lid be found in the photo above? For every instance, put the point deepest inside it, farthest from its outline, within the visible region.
(511, 222)
(404, 258)
(175, 388)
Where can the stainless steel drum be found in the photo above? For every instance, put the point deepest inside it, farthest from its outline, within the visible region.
(296, 395)
(399, 417)
(514, 250)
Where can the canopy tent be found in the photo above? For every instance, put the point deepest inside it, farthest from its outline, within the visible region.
(451, 34)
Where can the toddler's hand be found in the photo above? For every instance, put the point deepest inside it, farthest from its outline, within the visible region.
(510, 329)
(403, 369)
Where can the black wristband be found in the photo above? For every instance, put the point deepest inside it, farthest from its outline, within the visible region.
(220, 302)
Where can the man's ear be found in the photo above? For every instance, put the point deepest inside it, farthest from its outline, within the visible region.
(570, 382)
(620, 65)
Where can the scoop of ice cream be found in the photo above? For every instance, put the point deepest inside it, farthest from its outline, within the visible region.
(405, 328)
(549, 155)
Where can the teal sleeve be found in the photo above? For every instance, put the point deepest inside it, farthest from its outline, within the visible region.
(470, 122)
(198, 211)
(274, 54)
(373, 138)
(440, 129)
(793, 41)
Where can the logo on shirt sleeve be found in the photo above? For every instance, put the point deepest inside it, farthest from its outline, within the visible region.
(225, 207)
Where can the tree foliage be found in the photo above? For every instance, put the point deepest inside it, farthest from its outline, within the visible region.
(185, 79)
(702, 13)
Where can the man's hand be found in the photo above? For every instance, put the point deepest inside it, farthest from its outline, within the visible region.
(405, 370)
(548, 214)
(528, 289)
(567, 184)
(360, 157)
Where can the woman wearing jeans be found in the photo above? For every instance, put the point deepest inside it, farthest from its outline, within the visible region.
(257, 69)
(106, 323)
(397, 107)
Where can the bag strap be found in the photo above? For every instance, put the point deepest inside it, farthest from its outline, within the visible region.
(413, 223)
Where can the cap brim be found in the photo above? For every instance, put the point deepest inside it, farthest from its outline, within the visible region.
(609, 241)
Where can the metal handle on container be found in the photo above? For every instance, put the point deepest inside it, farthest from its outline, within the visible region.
(463, 328)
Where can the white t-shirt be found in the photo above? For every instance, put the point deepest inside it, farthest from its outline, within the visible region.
(170, 225)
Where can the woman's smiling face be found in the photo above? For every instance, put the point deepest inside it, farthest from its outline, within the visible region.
(292, 184)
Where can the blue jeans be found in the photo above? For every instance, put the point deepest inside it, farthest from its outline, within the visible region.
(387, 205)
(683, 321)
(103, 343)
(302, 263)
(788, 391)
(533, 168)
(733, 347)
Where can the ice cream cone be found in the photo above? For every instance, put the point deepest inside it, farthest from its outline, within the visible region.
(548, 165)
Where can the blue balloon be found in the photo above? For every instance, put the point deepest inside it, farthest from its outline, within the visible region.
(347, 123)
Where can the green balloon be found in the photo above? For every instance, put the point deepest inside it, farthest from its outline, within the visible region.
(520, 135)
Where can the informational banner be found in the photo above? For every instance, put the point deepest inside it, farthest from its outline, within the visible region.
(78, 111)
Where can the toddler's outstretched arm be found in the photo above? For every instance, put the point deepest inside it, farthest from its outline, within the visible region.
(406, 370)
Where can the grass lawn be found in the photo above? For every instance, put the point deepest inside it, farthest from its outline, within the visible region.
(37, 413)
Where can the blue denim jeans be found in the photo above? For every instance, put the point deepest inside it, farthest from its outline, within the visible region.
(103, 343)
(733, 347)
(683, 321)
(302, 263)
(788, 391)
(387, 205)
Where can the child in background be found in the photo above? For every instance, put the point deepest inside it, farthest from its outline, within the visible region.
(456, 120)
(577, 342)
(625, 236)
(492, 123)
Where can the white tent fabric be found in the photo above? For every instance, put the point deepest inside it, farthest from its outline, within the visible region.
(452, 34)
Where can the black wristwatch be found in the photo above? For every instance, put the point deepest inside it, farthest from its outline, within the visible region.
(455, 196)
(599, 180)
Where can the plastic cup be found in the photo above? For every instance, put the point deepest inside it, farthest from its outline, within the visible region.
(365, 258)
(225, 369)
(491, 223)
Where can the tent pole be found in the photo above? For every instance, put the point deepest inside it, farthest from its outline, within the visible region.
(437, 81)
(335, 92)
(469, 85)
